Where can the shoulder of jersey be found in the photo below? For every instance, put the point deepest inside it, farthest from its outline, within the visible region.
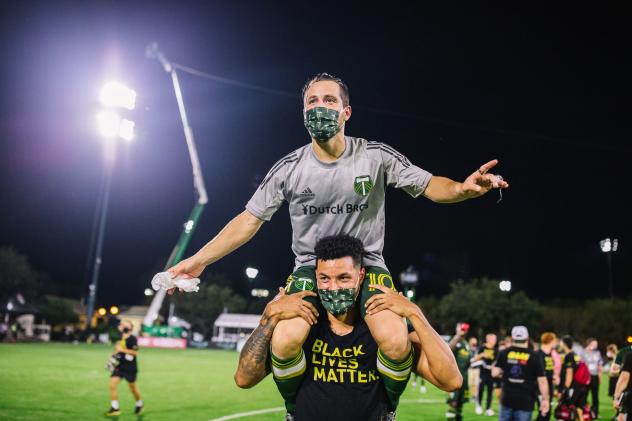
(377, 148)
(288, 160)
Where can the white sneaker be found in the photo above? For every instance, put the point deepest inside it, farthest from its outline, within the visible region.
(423, 389)
(478, 410)
(414, 384)
(489, 412)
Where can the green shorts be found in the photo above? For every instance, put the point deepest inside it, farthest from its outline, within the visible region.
(304, 279)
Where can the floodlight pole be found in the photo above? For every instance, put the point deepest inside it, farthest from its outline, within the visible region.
(198, 184)
(109, 158)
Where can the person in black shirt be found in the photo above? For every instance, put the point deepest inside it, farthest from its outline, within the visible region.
(125, 367)
(547, 342)
(343, 371)
(623, 390)
(574, 393)
(486, 354)
(523, 374)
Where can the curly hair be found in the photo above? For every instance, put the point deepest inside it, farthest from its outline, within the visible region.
(337, 246)
(344, 90)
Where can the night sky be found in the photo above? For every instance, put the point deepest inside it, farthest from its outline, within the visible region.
(544, 91)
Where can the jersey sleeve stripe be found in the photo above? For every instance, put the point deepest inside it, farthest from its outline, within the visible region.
(394, 151)
(281, 161)
(275, 170)
(405, 162)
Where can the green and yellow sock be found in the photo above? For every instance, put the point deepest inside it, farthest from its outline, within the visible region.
(395, 375)
(288, 375)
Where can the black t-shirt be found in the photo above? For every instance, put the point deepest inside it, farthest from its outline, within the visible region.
(488, 359)
(548, 364)
(341, 379)
(521, 368)
(571, 360)
(627, 366)
(128, 361)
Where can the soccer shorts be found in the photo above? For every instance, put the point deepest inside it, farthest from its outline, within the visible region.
(128, 375)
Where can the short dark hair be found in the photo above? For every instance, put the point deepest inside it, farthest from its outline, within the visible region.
(344, 90)
(568, 341)
(338, 246)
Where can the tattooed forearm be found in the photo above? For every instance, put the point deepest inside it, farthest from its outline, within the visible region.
(253, 357)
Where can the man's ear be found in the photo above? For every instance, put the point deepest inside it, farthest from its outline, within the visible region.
(361, 274)
(347, 112)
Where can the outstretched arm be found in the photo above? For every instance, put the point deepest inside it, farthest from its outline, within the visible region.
(435, 361)
(235, 234)
(253, 367)
(445, 190)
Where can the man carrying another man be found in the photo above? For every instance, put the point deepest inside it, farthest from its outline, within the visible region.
(339, 361)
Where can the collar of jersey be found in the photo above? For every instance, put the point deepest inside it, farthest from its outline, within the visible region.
(345, 154)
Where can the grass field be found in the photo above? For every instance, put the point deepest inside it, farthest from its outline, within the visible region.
(69, 382)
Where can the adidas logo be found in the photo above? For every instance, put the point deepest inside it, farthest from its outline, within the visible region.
(307, 193)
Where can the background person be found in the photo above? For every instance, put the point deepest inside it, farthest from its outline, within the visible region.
(594, 361)
(486, 354)
(523, 374)
(611, 353)
(623, 391)
(473, 372)
(462, 354)
(545, 353)
(125, 352)
(573, 392)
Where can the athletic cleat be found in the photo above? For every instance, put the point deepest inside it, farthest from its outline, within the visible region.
(489, 412)
(450, 415)
(289, 416)
(478, 410)
(138, 410)
(423, 389)
(113, 413)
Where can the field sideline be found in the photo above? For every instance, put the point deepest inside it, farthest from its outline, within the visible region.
(69, 382)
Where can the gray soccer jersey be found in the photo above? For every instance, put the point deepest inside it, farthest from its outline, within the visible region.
(345, 196)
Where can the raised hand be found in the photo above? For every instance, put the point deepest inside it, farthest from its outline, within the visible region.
(481, 181)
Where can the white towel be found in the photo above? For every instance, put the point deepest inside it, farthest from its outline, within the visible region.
(163, 280)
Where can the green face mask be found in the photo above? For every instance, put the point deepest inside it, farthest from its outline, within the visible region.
(337, 301)
(322, 123)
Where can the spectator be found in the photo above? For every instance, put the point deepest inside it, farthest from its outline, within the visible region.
(593, 360)
(523, 374)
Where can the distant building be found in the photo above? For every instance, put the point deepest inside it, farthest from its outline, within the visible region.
(231, 330)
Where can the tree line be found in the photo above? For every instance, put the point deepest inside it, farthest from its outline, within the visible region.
(478, 302)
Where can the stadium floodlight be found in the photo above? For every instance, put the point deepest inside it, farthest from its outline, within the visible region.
(102, 311)
(149, 292)
(117, 95)
(126, 129)
(111, 125)
(504, 286)
(252, 272)
(257, 292)
(609, 246)
(114, 310)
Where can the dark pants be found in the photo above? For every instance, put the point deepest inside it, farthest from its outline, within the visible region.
(594, 392)
(486, 382)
